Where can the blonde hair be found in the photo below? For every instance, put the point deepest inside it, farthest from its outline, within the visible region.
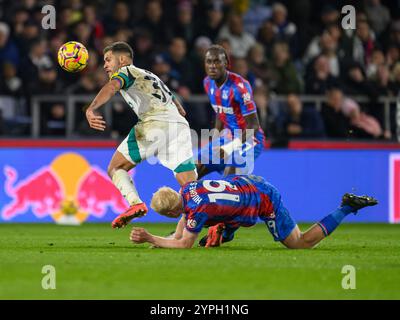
(165, 200)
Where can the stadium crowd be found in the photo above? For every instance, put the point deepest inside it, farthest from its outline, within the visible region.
(286, 48)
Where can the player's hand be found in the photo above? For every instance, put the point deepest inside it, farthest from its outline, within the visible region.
(95, 121)
(139, 235)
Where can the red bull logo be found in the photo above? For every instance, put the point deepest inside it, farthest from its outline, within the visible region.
(68, 190)
(394, 187)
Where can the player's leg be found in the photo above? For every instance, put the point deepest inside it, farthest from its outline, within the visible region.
(124, 159)
(242, 160)
(202, 170)
(118, 169)
(176, 153)
(186, 176)
(210, 158)
(319, 231)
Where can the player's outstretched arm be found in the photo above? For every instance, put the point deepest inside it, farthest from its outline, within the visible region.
(179, 106)
(140, 235)
(104, 95)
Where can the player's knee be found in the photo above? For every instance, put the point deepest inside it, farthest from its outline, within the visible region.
(299, 242)
(305, 243)
(112, 169)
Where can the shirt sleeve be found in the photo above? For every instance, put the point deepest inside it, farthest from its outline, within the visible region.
(244, 96)
(195, 221)
(124, 77)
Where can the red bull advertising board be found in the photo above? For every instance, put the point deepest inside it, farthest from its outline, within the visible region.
(71, 186)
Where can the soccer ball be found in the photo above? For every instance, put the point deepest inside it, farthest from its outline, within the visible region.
(73, 56)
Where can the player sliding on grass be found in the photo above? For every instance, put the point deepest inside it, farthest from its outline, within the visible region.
(161, 131)
(238, 201)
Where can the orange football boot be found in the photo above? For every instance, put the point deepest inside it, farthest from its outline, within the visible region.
(214, 236)
(134, 211)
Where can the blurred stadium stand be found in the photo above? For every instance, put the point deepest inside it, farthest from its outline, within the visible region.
(311, 79)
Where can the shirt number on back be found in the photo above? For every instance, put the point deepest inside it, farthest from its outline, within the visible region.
(221, 186)
(158, 86)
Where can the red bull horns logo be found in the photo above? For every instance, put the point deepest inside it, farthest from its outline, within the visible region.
(68, 190)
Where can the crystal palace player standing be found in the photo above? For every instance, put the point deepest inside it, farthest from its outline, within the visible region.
(239, 201)
(232, 99)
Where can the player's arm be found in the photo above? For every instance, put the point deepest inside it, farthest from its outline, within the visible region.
(179, 106)
(179, 227)
(104, 95)
(249, 111)
(141, 235)
(252, 123)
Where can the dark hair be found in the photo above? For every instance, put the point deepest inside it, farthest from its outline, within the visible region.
(121, 47)
(220, 50)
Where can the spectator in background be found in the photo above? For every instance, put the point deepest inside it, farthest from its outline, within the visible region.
(10, 83)
(377, 59)
(284, 78)
(350, 120)
(95, 25)
(394, 34)
(336, 124)
(181, 67)
(48, 82)
(364, 43)
(8, 50)
(241, 67)
(329, 15)
(57, 41)
(154, 23)
(363, 125)
(162, 69)
(224, 43)
(267, 36)
(395, 80)
(239, 40)
(82, 33)
(184, 26)
(255, 16)
(355, 81)
(211, 26)
(327, 45)
(55, 120)
(258, 64)
(18, 22)
(392, 55)
(29, 35)
(268, 120)
(143, 48)
(37, 59)
(122, 120)
(197, 58)
(378, 15)
(120, 18)
(319, 77)
(299, 122)
(285, 30)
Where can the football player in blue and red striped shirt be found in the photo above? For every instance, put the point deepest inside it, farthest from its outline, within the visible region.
(238, 201)
(240, 137)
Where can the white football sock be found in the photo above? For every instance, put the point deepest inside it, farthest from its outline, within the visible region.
(126, 186)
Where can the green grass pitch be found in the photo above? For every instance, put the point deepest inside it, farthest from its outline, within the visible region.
(94, 261)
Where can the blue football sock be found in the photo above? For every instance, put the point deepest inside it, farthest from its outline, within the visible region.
(330, 222)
